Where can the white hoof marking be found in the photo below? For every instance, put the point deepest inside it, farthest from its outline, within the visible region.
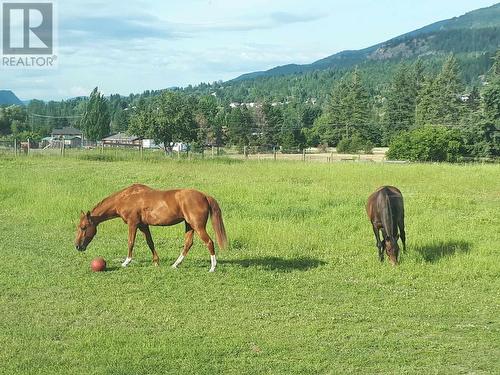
(213, 263)
(126, 262)
(178, 261)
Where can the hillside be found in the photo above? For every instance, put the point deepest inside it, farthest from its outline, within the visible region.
(7, 97)
(476, 32)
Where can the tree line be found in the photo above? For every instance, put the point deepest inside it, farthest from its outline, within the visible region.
(353, 114)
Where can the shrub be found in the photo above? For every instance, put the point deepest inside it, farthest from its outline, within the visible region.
(428, 143)
(354, 144)
(368, 147)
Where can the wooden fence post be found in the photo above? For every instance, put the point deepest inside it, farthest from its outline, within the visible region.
(274, 153)
(304, 155)
(29, 146)
(15, 147)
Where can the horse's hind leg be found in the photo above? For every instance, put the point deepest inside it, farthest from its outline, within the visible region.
(402, 233)
(149, 239)
(380, 245)
(188, 242)
(210, 245)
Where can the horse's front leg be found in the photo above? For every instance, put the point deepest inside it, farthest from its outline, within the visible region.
(132, 231)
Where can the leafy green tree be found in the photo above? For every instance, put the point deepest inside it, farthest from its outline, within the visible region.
(13, 119)
(143, 119)
(174, 119)
(166, 118)
(96, 119)
(324, 131)
(119, 122)
(206, 119)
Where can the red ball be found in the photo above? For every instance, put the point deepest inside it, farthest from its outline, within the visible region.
(98, 264)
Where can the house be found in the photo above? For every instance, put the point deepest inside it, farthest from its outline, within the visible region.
(70, 136)
(122, 140)
(67, 131)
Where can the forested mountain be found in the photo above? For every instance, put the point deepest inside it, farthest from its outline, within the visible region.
(7, 97)
(477, 32)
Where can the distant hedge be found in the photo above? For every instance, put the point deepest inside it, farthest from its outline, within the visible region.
(428, 143)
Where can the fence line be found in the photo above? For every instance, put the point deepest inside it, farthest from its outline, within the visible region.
(97, 152)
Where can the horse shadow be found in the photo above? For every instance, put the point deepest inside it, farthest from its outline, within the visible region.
(434, 252)
(277, 264)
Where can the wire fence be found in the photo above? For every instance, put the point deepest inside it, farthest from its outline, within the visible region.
(102, 152)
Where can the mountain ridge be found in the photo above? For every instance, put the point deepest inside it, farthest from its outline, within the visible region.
(482, 24)
(7, 97)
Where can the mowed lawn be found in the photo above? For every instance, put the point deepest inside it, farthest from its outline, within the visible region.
(299, 291)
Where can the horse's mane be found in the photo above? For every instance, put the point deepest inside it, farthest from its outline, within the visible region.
(109, 197)
(115, 194)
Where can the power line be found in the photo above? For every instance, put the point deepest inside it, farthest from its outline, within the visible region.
(54, 117)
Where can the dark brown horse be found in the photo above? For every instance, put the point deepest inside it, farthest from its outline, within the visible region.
(140, 206)
(386, 211)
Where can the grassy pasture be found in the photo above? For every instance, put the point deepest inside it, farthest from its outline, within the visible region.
(300, 291)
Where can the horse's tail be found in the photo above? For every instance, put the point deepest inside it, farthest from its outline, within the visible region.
(386, 214)
(218, 224)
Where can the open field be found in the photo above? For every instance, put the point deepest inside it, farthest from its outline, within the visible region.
(300, 291)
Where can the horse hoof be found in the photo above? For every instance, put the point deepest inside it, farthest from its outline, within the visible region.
(212, 270)
(174, 266)
(126, 262)
(156, 264)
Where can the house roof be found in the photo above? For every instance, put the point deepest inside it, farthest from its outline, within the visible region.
(67, 130)
(121, 137)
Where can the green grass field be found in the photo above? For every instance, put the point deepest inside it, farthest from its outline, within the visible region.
(300, 291)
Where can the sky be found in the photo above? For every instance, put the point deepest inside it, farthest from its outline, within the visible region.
(128, 47)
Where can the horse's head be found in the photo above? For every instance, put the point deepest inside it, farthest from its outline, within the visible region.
(392, 249)
(85, 231)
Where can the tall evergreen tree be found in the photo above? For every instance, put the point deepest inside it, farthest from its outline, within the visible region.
(349, 104)
(400, 103)
(449, 88)
(95, 122)
(270, 125)
(490, 129)
(439, 99)
(240, 126)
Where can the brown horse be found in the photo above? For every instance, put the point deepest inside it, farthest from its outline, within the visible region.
(140, 206)
(386, 212)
